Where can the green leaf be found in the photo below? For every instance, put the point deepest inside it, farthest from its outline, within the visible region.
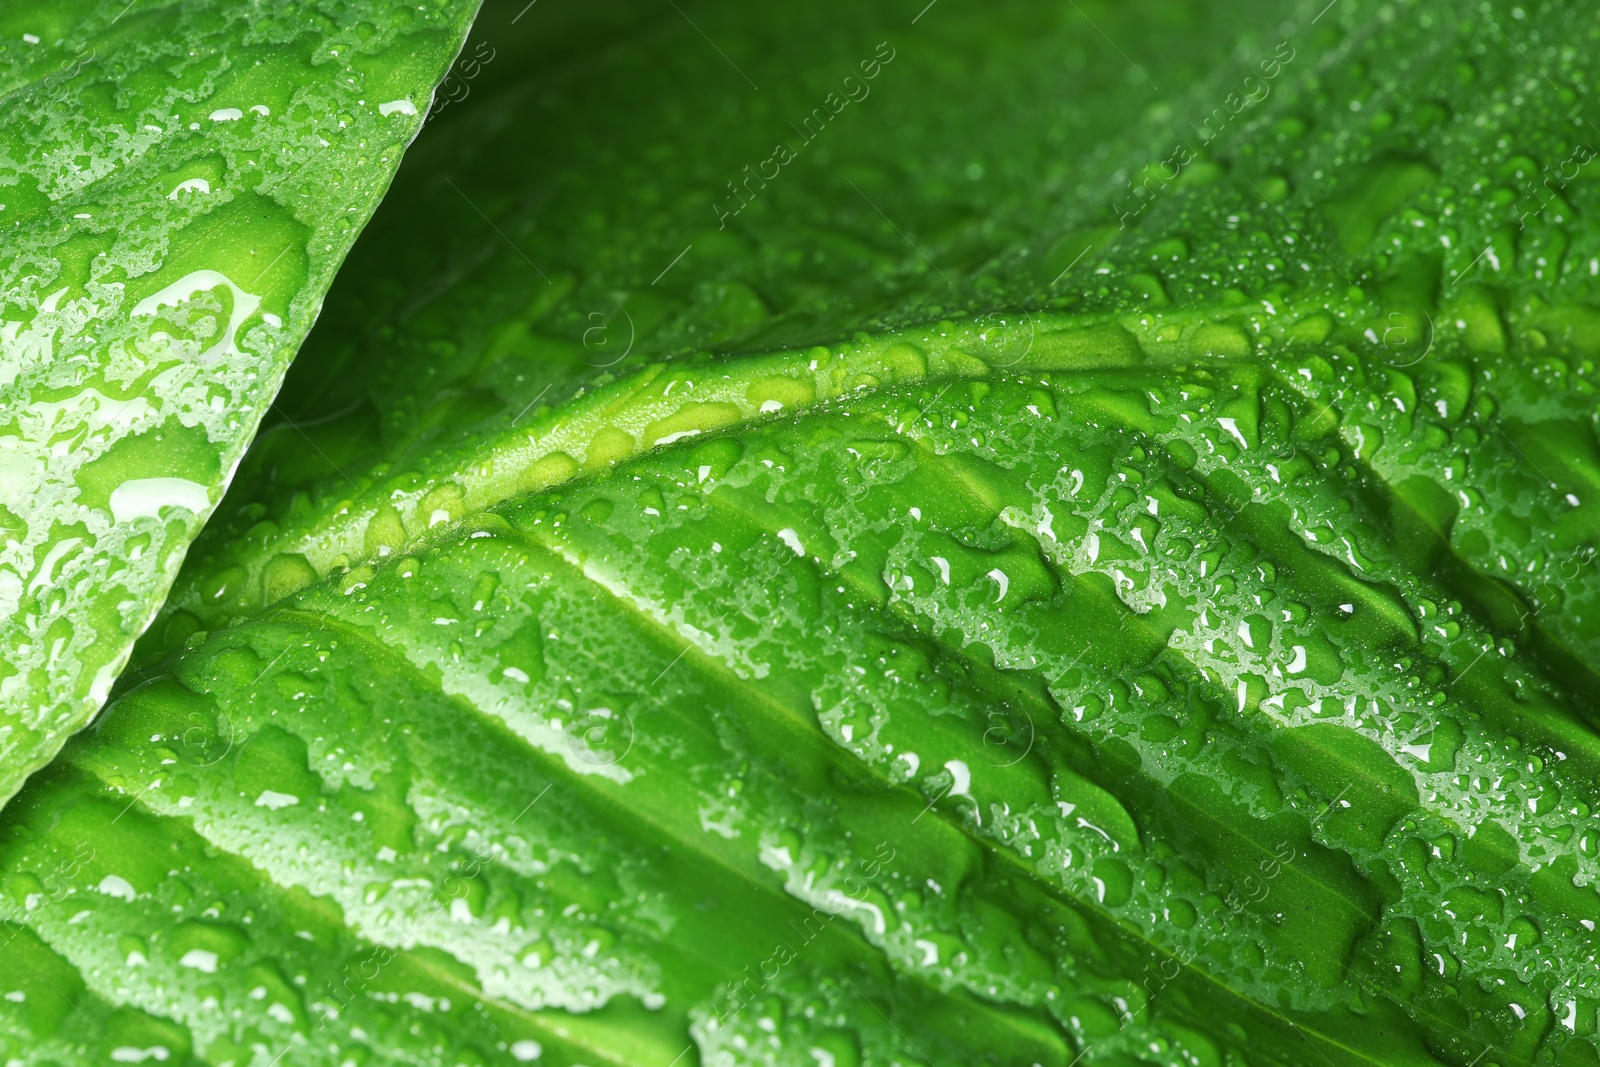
(988, 614)
(178, 184)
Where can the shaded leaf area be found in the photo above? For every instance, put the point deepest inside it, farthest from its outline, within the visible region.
(530, 251)
(534, 335)
(1173, 653)
(178, 183)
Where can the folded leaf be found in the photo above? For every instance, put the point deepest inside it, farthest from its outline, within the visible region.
(1069, 571)
(178, 184)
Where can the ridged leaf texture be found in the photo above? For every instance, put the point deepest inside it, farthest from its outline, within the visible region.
(1013, 592)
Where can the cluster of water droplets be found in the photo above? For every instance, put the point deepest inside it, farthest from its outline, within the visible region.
(174, 211)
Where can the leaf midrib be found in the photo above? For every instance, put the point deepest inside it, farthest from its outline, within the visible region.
(644, 380)
(336, 533)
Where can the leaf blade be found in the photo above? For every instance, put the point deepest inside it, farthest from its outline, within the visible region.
(182, 181)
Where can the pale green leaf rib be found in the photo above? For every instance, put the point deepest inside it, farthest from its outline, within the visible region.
(541, 334)
(484, 335)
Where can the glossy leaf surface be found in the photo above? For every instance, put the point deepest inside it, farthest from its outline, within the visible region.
(969, 623)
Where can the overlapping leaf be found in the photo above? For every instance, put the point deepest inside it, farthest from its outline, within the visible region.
(179, 183)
